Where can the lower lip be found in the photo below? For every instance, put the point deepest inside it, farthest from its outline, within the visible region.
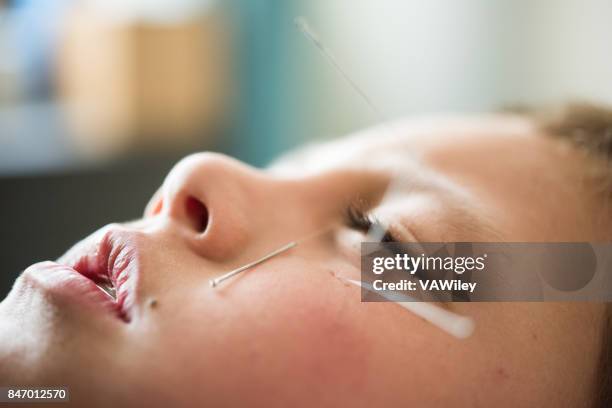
(63, 283)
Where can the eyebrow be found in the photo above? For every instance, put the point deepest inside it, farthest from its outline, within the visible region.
(413, 176)
(478, 228)
(463, 215)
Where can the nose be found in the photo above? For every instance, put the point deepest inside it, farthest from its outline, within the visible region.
(210, 197)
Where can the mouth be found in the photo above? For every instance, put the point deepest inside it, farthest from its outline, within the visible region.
(111, 263)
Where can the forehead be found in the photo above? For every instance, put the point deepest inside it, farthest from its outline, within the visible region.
(515, 172)
(399, 143)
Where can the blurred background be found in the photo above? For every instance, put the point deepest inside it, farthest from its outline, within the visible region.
(99, 98)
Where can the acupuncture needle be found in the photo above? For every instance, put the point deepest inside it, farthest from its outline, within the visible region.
(454, 324)
(219, 279)
(309, 33)
(302, 24)
(305, 238)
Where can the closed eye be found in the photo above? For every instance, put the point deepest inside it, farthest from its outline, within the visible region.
(358, 219)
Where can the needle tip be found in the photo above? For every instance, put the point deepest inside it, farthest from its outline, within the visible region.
(302, 24)
(212, 283)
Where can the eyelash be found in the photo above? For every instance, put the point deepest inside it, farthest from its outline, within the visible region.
(357, 218)
(360, 220)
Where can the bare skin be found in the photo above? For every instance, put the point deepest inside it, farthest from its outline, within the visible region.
(289, 332)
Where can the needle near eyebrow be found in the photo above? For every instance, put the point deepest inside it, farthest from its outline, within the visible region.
(309, 33)
(216, 281)
(374, 235)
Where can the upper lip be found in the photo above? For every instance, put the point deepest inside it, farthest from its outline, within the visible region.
(109, 258)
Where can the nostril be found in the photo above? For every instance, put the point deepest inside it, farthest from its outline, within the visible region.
(158, 207)
(197, 214)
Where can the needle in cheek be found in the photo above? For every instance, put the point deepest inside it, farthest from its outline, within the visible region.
(216, 281)
(456, 325)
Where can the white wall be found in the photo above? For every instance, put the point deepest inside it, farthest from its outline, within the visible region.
(459, 55)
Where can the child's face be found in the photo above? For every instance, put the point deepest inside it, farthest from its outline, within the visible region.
(289, 332)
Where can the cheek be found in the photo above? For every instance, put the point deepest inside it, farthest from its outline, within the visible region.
(293, 332)
(281, 334)
(328, 347)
